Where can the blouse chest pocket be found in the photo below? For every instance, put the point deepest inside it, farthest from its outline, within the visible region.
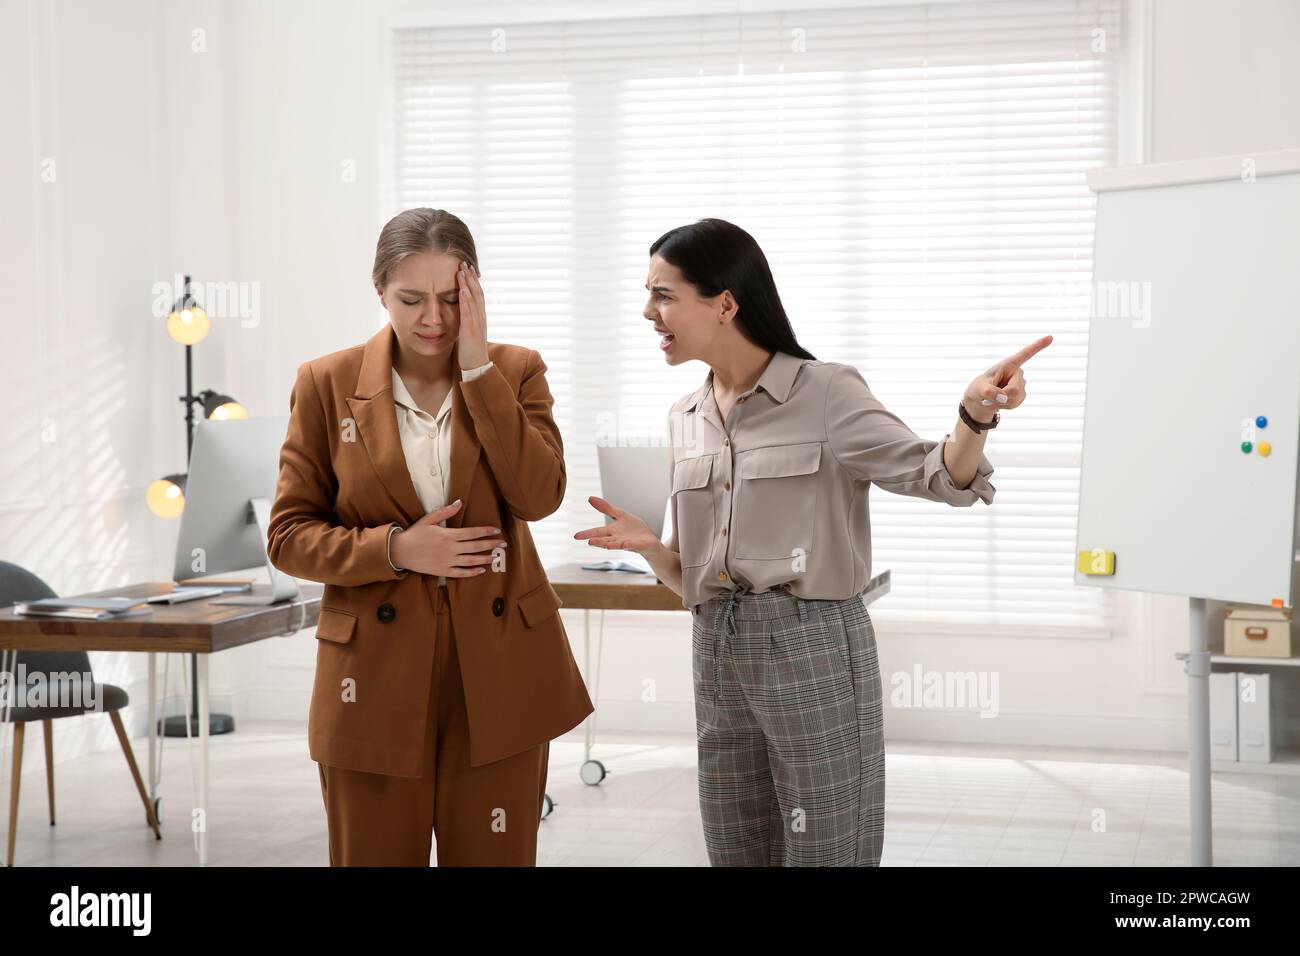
(776, 505)
(693, 509)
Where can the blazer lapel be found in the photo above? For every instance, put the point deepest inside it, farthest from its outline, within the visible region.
(465, 446)
(376, 416)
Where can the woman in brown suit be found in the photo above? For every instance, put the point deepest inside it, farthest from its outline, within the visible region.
(412, 466)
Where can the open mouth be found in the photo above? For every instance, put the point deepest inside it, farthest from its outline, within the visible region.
(665, 340)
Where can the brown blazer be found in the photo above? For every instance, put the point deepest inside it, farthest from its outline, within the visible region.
(344, 482)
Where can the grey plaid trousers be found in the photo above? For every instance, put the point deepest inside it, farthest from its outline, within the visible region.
(790, 722)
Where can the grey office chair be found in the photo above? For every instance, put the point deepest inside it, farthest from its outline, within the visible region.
(17, 585)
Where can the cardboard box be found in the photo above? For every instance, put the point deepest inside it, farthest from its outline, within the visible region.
(1257, 631)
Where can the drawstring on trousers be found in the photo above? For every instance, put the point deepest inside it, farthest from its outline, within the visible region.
(728, 626)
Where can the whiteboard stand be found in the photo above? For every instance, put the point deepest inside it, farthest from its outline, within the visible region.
(1192, 490)
(1196, 663)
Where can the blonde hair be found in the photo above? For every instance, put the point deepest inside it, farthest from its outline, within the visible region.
(421, 230)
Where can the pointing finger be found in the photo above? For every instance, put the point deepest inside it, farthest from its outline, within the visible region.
(1028, 352)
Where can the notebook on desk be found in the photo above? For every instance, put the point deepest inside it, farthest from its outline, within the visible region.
(83, 609)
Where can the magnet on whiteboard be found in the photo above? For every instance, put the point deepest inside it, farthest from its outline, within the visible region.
(1265, 449)
(1246, 447)
(1096, 562)
(1261, 422)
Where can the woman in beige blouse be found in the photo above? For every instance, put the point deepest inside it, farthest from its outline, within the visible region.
(773, 457)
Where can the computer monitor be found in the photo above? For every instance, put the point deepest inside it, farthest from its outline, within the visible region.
(228, 493)
(637, 479)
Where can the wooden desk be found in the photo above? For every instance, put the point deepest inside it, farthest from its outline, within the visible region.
(611, 590)
(604, 591)
(195, 627)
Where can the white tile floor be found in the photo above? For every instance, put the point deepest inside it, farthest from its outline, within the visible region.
(946, 806)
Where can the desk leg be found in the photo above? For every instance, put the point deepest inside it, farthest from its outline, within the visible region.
(8, 665)
(593, 771)
(203, 757)
(153, 729)
(586, 667)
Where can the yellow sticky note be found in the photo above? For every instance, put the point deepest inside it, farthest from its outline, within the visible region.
(1096, 561)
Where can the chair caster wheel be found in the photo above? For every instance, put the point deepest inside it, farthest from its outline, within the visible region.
(547, 805)
(593, 772)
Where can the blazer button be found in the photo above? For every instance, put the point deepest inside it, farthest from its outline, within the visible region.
(386, 612)
(499, 606)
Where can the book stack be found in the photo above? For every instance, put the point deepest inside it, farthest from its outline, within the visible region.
(84, 609)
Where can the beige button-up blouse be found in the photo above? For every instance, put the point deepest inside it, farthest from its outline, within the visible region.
(426, 445)
(778, 495)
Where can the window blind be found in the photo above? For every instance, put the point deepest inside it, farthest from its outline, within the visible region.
(915, 175)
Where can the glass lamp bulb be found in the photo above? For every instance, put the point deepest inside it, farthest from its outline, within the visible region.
(165, 498)
(228, 411)
(188, 326)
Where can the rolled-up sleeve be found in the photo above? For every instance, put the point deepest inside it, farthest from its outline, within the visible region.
(873, 444)
(671, 541)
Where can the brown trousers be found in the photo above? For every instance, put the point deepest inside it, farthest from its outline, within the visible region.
(481, 816)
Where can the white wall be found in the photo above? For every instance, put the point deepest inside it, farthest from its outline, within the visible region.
(305, 124)
(84, 233)
(261, 160)
(1225, 77)
(176, 136)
